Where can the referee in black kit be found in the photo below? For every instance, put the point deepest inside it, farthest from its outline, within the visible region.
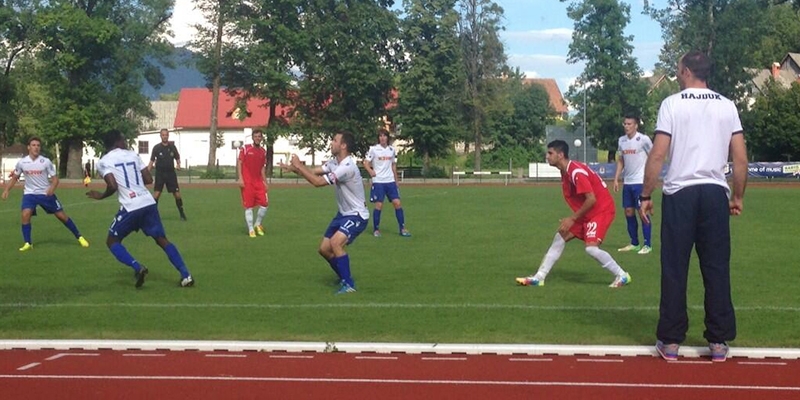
(167, 160)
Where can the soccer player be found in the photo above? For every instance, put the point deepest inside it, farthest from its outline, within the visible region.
(251, 165)
(633, 150)
(593, 212)
(381, 164)
(125, 174)
(166, 159)
(41, 182)
(698, 128)
(352, 216)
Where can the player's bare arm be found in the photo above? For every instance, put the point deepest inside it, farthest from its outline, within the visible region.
(394, 171)
(13, 178)
(738, 151)
(652, 169)
(53, 185)
(368, 167)
(147, 177)
(239, 173)
(111, 188)
(313, 177)
(620, 167)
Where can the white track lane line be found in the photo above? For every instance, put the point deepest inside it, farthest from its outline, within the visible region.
(290, 356)
(598, 360)
(227, 355)
(59, 355)
(444, 359)
(143, 355)
(530, 359)
(761, 363)
(29, 366)
(375, 358)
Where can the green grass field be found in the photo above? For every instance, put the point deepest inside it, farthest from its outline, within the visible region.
(452, 282)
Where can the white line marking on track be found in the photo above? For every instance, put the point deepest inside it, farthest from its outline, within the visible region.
(760, 363)
(598, 360)
(689, 362)
(530, 359)
(444, 358)
(404, 381)
(227, 355)
(29, 366)
(375, 358)
(287, 356)
(59, 355)
(433, 306)
(143, 355)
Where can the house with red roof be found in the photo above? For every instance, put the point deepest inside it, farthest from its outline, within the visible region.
(235, 123)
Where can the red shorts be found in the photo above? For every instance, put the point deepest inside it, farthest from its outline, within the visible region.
(593, 229)
(254, 195)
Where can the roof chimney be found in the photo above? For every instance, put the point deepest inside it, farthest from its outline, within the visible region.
(776, 70)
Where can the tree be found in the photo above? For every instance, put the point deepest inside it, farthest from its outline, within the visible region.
(611, 80)
(772, 123)
(93, 61)
(484, 62)
(346, 65)
(428, 91)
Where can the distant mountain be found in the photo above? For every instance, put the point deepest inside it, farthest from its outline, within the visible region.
(184, 75)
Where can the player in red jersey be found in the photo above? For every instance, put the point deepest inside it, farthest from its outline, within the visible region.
(592, 214)
(253, 182)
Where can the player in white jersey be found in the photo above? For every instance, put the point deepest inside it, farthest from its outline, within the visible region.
(633, 148)
(126, 174)
(381, 164)
(41, 182)
(352, 215)
(699, 129)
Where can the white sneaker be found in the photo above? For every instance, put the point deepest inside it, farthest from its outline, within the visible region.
(620, 281)
(645, 250)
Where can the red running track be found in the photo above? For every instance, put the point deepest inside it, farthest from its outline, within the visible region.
(106, 374)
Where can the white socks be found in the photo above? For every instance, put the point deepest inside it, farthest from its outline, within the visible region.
(248, 217)
(553, 254)
(605, 260)
(262, 212)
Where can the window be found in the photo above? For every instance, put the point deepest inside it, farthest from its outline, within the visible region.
(144, 147)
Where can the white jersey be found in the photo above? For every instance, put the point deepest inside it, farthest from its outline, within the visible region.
(127, 169)
(701, 123)
(634, 152)
(37, 173)
(349, 188)
(381, 159)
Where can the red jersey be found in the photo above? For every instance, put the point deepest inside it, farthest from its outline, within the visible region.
(253, 160)
(579, 180)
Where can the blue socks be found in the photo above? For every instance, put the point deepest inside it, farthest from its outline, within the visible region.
(401, 218)
(376, 218)
(26, 233)
(72, 228)
(121, 253)
(646, 232)
(633, 229)
(343, 268)
(176, 259)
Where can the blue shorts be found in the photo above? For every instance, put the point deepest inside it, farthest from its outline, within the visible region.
(381, 190)
(350, 225)
(145, 219)
(49, 204)
(630, 195)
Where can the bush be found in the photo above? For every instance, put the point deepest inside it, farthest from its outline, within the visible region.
(213, 174)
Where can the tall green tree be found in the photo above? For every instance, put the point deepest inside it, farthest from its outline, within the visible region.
(95, 62)
(611, 80)
(430, 87)
(484, 62)
(772, 124)
(347, 65)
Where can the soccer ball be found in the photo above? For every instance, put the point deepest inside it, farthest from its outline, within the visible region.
(577, 143)
(87, 181)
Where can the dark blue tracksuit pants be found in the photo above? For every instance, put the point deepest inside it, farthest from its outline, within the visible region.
(696, 216)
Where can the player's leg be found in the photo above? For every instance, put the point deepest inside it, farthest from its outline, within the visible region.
(263, 205)
(158, 185)
(393, 193)
(248, 202)
(124, 223)
(67, 221)
(646, 224)
(595, 231)
(630, 201)
(172, 187)
(349, 228)
(679, 213)
(549, 259)
(713, 248)
(376, 196)
(25, 225)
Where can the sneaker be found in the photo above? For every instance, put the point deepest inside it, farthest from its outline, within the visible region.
(630, 247)
(621, 281)
(83, 242)
(405, 233)
(252, 234)
(140, 274)
(187, 282)
(645, 250)
(719, 351)
(532, 280)
(26, 247)
(260, 230)
(345, 288)
(668, 352)
(377, 233)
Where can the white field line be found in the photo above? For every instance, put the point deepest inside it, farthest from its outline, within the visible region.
(434, 306)
(29, 366)
(405, 382)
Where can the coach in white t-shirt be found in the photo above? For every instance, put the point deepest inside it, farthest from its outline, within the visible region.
(698, 128)
(633, 148)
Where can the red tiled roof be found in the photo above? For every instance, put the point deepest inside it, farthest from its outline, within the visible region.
(194, 111)
(550, 85)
